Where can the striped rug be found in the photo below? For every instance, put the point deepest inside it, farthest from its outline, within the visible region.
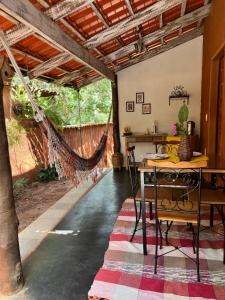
(128, 275)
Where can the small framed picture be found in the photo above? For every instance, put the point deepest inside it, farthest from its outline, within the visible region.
(130, 106)
(146, 108)
(140, 97)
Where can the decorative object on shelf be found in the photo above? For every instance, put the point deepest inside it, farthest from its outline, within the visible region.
(179, 93)
(140, 97)
(127, 131)
(190, 127)
(130, 106)
(146, 108)
(155, 127)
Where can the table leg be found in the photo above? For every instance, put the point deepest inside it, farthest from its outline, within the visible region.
(143, 208)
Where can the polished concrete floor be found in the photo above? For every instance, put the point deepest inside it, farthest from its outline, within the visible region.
(64, 266)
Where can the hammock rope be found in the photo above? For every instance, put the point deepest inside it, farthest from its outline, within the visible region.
(67, 162)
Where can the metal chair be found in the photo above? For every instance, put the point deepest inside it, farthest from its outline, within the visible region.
(217, 199)
(180, 205)
(135, 189)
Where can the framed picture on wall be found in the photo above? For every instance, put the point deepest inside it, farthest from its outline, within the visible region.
(130, 106)
(146, 108)
(140, 97)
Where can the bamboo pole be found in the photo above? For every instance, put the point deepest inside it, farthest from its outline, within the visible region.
(11, 276)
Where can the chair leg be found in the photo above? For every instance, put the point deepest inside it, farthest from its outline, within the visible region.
(160, 233)
(221, 213)
(167, 231)
(150, 211)
(156, 245)
(197, 253)
(211, 215)
(193, 238)
(137, 216)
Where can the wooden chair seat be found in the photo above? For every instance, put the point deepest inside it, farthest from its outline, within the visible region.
(178, 217)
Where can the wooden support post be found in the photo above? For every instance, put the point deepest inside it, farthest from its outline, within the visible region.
(117, 158)
(11, 276)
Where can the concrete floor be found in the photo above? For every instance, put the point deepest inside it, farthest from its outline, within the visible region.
(63, 267)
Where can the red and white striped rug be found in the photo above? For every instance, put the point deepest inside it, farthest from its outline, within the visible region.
(129, 275)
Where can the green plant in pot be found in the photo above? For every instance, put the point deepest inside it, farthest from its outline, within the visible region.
(184, 150)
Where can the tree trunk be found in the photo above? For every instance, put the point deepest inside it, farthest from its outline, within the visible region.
(11, 277)
(116, 130)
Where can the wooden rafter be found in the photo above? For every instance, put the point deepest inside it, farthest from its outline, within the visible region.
(152, 11)
(187, 19)
(29, 15)
(66, 7)
(86, 81)
(170, 45)
(72, 75)
(182, 13)
(138, 29)
(44, 67)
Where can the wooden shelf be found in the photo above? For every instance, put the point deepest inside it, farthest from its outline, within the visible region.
(179, 98)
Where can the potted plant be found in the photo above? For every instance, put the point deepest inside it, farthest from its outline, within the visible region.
(184, 150)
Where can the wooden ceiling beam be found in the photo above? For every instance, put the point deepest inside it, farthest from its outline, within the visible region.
(49, 65)
(72, 76)
(187, 19)
(86, 81)
(170, 45)
(28, 14)
(150, 12)
(182, 13)
(66, 7)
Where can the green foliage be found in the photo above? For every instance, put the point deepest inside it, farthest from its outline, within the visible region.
(47, 174)
(20, 183)
(182, 117)
(14, 131)
(183, 114)
(63, 107)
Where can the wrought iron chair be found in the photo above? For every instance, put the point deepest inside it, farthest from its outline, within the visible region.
(135, 189)
(179, 206)
(213, 196)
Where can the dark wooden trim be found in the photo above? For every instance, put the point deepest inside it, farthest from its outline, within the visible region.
(213, 106)
(116, 127)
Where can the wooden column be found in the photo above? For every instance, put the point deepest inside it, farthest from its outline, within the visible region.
(116, 129)
(117, 158)
(11, 277)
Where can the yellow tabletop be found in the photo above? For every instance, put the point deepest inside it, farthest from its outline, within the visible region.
(174, 162)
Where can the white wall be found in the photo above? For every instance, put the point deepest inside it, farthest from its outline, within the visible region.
(157, 77)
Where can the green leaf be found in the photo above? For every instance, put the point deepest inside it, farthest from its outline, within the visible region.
(183, 114)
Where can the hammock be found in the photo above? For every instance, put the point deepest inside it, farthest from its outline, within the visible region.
(68, 163)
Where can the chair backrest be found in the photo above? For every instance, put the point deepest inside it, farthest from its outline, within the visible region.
(184, 189)
(133, 171)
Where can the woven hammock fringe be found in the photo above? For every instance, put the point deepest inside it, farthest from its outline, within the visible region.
(68, 163)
